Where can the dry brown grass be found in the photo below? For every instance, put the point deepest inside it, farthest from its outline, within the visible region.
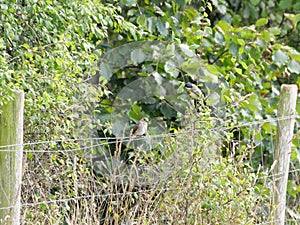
(181, 180)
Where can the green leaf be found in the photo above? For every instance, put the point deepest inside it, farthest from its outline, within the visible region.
(209, 78)
(233, 49)
(105, 70)
(167, 111)
(241, 42)
(191, 13)
(294, 67)
(213, 99)
(244, 65)
(241, 50)
(191, 67)
(171, 68)
(254, 2)
(285, 4)
(151, 24)
(267, 36)
(224, 25)
(280, 58)
(248, 33)
(239, 71)
(294, 54)
(26, 46)
(208, 75)
(141, 20)
(252, 103)
(275, 30)
(137, 109)
(267, 128)
(208, 31)
(290, 189)
(129, 3)
(209, 6)
(213, 69)
(219, 38)
(261, 22)
(186, 50)
(158, 78)
(30, 156)
(161, 27)
(136, 112)
(294, 18)
(43, 207)
(194, 46)
(137, 56)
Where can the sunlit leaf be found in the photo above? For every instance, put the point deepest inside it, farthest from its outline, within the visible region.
(294, 67)
(191, 67)
(294, 18)
(129, 3)
(224, 25)
(261, 22)
(280, 58)
(171, 68)
(275, 30)
(186, 50)
(141, 20)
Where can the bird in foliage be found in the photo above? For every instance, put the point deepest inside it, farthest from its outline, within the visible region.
(140, 128)
(193, 91)
(196, 94)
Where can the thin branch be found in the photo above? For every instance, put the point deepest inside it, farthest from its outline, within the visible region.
(218, 57)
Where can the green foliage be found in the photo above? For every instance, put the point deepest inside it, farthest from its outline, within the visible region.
(210, 191)
(242, 55)
(99, 65)
(48, 50)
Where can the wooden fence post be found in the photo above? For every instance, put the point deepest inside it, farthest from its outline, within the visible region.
(11, 153)
(285, 128)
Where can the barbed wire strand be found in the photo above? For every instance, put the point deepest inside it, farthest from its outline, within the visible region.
(127, 138)
(116, 141)
(124, 139)
(118, 194)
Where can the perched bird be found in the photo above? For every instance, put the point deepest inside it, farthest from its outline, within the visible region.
(140, 128)
(193, 91)
(196, 94)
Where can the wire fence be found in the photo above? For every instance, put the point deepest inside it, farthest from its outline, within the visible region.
(113, 140)
(197, 175)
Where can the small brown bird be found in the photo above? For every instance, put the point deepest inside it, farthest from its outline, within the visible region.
(140, 128)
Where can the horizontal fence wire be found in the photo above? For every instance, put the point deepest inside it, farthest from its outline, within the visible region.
(103, 141)
(114, 194)
(276, 221)
(116, 140)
